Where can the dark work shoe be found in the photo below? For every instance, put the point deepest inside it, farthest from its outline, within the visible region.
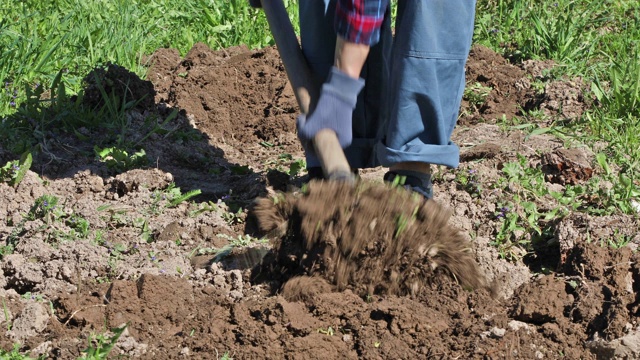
(316, 173)
(413, 181)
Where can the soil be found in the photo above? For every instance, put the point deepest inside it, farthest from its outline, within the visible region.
(342, 275)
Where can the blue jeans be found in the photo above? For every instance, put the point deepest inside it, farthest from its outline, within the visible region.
(414, 81)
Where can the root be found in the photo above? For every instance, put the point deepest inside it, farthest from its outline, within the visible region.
(81, 309)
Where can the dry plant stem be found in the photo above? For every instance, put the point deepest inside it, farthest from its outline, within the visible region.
(82, 309)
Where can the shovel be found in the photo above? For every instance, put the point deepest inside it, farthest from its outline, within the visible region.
(332, 159)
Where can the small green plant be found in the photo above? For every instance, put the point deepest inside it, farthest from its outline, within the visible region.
(153, 257)
(287, 164)
(15, 354)
(403, 221)
(176, 197)
(45, 207)
(145, 232)
(173, 195)
(28, 295)
(477, 95)
(242, 240)
(234, 218)
(100, 345)
(13, 238)
(79, 226)
(618, 241)
(116, 254)
(296, 167)
(221, 253)
(209, 206)
(328, 331)
(6, 250)
(119, 160)
(468, 180)
(13, 171)
(117, 216)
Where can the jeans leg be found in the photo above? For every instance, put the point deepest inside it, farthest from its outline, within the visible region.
(431, 47)
(318, 41)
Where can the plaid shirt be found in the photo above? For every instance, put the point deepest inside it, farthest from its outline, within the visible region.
(359, 21)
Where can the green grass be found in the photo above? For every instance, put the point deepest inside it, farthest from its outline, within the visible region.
(596, 40)
(39, 38)
(599, 42)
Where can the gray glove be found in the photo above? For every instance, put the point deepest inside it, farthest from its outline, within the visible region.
(334, 111)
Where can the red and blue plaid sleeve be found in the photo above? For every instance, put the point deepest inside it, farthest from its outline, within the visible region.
(359, 21)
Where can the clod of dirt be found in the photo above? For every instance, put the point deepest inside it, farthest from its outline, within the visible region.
(487, 150)
(115, 80)
(32, 320)
(131, 180)
(375, 239)
(534, 305)
(567, 166)
(565, 99)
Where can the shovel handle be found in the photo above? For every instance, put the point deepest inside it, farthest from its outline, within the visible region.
(334, 162)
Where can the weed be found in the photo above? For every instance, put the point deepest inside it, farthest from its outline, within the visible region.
(328, 331)
(468, 180)
(225, 356)
(13, 238)
(477, 94)
(521, 221)
(287, 164)
(100, 345)
(176, 198)
(173, 195)
(117, 215)
(13, 171)
(234, 218)
(204, 207)
(617, 241)
(242, 240)
(402, 222)
(153, 257)
(28, 295)
(221, 253)
(79, 226)
(45, 207)
(116, 254)
(145, 233)
(15, 354)
(119, 160)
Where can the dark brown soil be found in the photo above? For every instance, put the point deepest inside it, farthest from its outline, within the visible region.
(374, 239)
(345, 275)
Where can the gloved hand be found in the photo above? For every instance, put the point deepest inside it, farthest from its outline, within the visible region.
(255, 3)
(334, 111)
